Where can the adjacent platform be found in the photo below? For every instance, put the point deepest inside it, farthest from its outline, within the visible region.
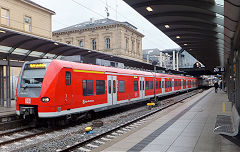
(4, 111)
(184, 127)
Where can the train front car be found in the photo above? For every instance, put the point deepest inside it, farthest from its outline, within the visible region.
(32, 87)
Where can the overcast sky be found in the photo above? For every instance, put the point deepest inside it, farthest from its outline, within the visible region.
(70, 12)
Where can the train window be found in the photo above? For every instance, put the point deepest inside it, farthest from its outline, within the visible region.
(100, 87)
(114, 86)
(151, 84)
(166, 84)
(87, 87)
(160, 84)
(163, 84)
(109, 87)
(170, 84)
(121, 86)
(135, 85)
(140, 85)
(156, 84)
(143, 85)
(147, 85)
(68, 78)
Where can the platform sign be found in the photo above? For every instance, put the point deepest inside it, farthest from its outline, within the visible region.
(219, 69)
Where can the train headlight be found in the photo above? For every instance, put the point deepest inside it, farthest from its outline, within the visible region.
(45, 99)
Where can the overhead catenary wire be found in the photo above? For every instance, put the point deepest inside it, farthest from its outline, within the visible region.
(117, 12)
(88, 8)
(91, 10)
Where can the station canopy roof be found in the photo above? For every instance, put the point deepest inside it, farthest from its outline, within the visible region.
(201, 27)
(19, 47)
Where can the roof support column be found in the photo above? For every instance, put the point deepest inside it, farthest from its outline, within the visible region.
(1, 87)
(177, 61)
(8, 87)
(173, 62)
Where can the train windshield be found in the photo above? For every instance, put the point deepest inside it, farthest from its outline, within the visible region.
(33, 75)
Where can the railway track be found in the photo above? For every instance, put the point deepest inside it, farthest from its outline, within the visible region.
(113, 126)
(21, 134)
(99, 139)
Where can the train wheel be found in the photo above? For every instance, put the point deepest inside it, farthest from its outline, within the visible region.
(90, 115)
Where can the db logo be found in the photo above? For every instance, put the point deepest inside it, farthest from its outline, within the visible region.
(27, 100)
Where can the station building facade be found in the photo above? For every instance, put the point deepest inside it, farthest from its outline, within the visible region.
(26, 16)
(104, 35)
(23, 16)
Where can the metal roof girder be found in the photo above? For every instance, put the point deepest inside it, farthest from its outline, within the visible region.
(7, 36)
(60, 53)
(217, 30)
(193, 23)
(173, 36)
(34, 49)
(193, 30)
(19, 44)
(205, 5)
(194, 15)
(50, 50)
(194, 40)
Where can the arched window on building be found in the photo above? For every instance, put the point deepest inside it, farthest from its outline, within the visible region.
(81, 43)
(108, 43)
(94, 44)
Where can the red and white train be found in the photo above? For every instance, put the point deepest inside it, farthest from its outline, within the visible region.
(55, 88)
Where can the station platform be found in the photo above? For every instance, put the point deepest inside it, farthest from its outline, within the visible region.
(5, 111)
(183, 127)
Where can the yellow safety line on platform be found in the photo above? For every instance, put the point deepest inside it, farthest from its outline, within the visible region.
(86, 71)
(223, 106)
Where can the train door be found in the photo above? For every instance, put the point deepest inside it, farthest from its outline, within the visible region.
(112, 89)
(142, 87)
(181, 84)
(173, 85)
(163, 85)
(68, 86)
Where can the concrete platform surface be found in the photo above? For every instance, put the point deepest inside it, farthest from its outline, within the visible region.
(8, 111)
(184, 127)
